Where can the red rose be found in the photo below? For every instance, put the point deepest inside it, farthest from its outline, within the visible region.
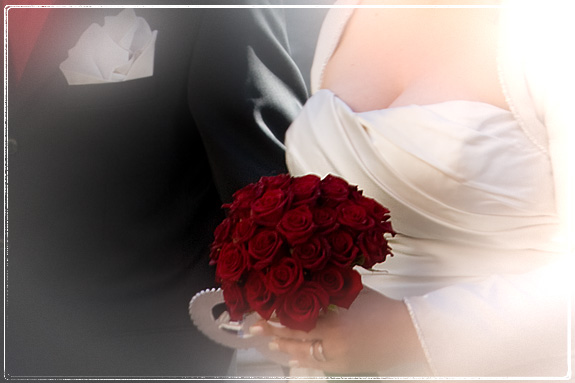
(235, 301)
(243, 199)
(269, 208)
(243, 230)
(300, 310)
(264, 248)
(259, 297)
(342, 284)
(373, 246)
(221, 235)
(343, 250)
(305, 189)
(325, 219)
(386, 227)
(374, 209)
(297, 225)
(312, 254)
(285, 276)
(214, 255)
(334, 190)
(354, 216)
(280, 181)
(222, 232)
(232, 263)
(355, 194)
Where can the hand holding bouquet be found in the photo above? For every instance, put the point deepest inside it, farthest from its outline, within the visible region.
(289, 244)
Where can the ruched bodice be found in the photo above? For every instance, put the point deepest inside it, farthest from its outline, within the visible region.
(470, 194)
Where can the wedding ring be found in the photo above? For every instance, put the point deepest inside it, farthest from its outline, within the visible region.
(316, 351)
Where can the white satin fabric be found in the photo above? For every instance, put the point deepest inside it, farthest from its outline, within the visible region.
(471, 196)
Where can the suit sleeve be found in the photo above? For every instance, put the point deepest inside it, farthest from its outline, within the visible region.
(244, 91)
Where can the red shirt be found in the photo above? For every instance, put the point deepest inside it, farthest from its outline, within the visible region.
(24, 27)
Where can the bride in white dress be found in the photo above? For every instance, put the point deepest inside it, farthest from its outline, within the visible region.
(454, 119)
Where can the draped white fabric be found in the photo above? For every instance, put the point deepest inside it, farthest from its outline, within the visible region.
(456, 176)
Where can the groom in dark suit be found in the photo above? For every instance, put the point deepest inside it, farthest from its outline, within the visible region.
(114, 188)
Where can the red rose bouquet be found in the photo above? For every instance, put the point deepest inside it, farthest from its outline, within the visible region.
(289, 244)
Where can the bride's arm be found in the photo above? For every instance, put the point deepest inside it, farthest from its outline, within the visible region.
(515, 324)
(375, 333)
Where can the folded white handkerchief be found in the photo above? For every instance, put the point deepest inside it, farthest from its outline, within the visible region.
(122, 49)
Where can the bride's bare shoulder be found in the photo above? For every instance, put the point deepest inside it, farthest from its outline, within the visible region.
(402, 55)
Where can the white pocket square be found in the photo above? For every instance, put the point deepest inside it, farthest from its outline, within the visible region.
(121, 50)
